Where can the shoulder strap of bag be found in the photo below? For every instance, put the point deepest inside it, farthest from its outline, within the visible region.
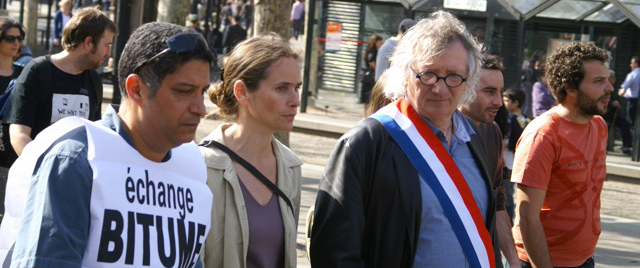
(97, 86)
(251, 169)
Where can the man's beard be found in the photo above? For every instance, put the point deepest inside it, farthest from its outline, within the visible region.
(90, 64)
(587, 106)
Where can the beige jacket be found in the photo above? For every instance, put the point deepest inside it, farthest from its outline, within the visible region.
(228, 239)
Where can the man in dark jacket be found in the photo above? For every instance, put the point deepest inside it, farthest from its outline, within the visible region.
(482, 111)
(233, 34)
(410, 186)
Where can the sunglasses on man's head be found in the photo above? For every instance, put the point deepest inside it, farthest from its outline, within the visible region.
(179, 43)
(13, 38)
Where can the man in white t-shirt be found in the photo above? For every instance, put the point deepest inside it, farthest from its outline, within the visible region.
(129, 190)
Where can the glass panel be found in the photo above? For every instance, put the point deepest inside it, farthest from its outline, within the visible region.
(525, 6)
(568, 9)
(392, 1)
(633, 6)
(609, 13)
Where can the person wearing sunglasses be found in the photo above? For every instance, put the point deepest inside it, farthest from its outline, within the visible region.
(11, 37)
(129, 190)
(255, 179)
(409, 186)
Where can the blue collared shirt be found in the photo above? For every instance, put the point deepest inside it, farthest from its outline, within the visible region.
(632, 82)
(437, 244)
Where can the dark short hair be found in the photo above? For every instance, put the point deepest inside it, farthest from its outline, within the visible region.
(564, 69)
(491, 62)
(515, 95)
(147, 41)
(86, 22)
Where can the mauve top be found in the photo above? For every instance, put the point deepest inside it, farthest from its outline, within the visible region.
(266, 231)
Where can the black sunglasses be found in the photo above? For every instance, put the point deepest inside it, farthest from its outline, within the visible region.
(178, 43)
(13, 38)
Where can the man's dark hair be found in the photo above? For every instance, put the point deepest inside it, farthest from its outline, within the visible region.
(146, 42)
(491, 62)
(405, 25)
(636, 59)
(564, 69)
(515, 95)
(88, 21)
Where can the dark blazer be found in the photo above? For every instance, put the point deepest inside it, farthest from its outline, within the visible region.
(368, 208)
(233, 34)
(492, 137)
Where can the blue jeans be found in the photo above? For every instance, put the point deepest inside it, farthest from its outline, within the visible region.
(589, 263)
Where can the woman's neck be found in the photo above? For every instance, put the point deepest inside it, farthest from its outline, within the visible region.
(6, 66)
(248, 142)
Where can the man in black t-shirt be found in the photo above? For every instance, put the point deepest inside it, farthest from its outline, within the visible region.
(63, 84)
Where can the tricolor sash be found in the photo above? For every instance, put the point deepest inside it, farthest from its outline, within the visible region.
(438, 169)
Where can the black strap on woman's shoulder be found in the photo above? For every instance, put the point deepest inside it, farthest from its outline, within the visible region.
(251, 169)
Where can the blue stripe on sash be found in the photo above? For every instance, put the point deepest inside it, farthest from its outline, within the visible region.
(426, 173)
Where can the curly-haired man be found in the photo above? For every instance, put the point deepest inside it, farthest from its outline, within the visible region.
(560, 163)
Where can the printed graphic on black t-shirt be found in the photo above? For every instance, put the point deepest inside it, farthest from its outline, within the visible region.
(38, 104)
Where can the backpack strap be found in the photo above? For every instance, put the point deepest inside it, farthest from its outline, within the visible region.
(251, 169)
(97, 90)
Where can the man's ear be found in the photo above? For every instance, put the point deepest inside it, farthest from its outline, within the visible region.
(571, 91)
(87, 44)
(241, 91)
(134, 87)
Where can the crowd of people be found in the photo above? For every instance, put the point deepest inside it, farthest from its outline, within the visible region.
(423, 181)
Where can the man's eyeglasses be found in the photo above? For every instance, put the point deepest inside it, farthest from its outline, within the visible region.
(178, 43)
(13, 38)
(429, 79)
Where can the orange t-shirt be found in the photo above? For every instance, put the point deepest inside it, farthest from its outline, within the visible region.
(568, 160)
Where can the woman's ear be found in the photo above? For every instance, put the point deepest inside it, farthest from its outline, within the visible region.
(241, 92)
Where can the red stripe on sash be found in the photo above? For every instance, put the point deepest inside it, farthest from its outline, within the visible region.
(454, 172)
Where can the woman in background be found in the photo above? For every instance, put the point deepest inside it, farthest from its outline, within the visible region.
(253, 226)
(63, 15)
(11, 35)
(368, 79)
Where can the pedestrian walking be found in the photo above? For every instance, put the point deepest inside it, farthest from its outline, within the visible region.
(560, 163)
(482, 110)
(379, 181)
(254, 178)
(129, 190)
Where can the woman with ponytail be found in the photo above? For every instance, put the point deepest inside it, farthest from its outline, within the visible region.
(253, 223)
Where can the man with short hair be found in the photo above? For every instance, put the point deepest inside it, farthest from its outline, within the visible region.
(630, 89)
(386, 50)
(482, 110)
(514, 100)
(62, 84)
(560, 163)
(410, 185)
(129, 190)
(613, 117)
(233, 35)
(297, 18)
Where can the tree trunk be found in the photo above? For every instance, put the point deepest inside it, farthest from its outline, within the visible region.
(274, 16)
(31, 23)
(173, 11)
